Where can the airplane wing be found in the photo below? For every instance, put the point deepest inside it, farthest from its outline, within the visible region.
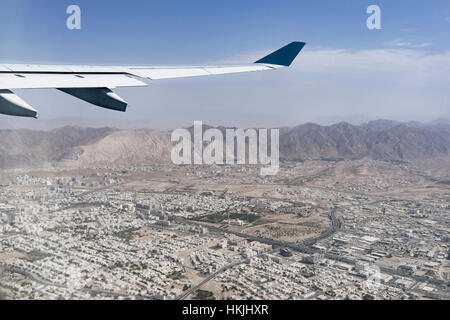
(93, 84)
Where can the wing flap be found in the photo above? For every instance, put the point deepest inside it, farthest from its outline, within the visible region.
(42, 81)
(4, 69)
(44, 68)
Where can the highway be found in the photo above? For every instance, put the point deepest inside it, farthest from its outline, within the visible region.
(191, 290)
(303, 246)
(336, 224)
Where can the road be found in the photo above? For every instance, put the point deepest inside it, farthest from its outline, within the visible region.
(191, 290)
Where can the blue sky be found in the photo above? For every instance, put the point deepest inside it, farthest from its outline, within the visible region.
(138, 32)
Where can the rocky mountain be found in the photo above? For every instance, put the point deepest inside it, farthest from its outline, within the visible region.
(34, 149)
(76, 146)
(383, 140)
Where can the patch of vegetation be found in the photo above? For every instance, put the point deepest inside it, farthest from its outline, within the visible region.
(80, 205)
(220, 217)
(176, 275)
(204, 295)
(36, 255)
(186, 287)
(127, 234)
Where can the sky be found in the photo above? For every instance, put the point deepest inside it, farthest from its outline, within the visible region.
(345, 73)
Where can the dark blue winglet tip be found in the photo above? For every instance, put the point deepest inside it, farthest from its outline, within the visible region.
(284, 56)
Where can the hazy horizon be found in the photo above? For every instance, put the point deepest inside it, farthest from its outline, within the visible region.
(14, 123)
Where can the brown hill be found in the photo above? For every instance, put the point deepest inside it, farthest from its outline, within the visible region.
(135, 147)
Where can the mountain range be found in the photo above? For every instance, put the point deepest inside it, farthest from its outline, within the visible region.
(87, 147)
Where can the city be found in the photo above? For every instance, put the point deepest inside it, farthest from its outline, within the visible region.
(319, 229)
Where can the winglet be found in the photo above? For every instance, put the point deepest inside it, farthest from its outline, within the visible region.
(285, 55)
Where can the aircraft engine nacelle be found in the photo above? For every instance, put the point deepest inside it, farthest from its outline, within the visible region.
(13, 105)
(102, 97)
